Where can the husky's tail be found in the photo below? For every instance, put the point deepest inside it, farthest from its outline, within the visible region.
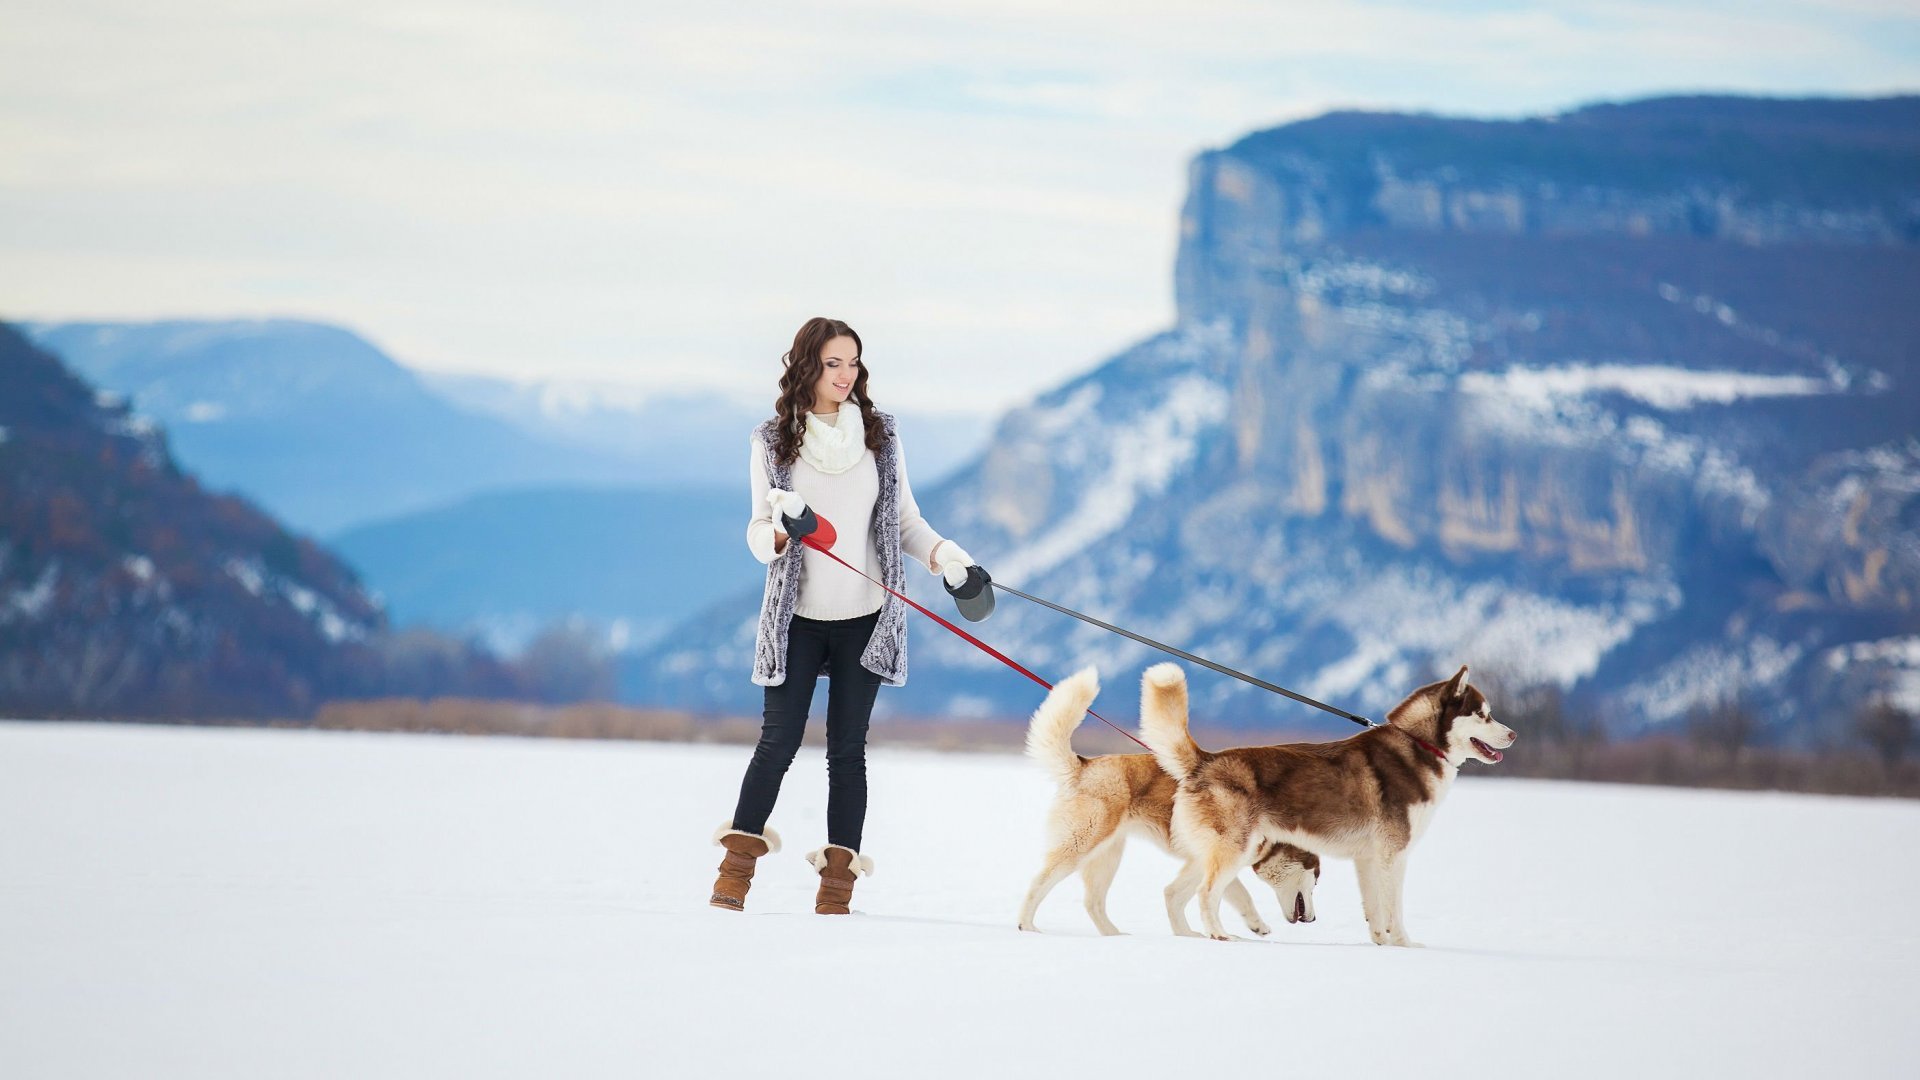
(1050, 733)
(1163, 719)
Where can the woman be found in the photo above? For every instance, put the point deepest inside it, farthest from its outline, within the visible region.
(826, 448)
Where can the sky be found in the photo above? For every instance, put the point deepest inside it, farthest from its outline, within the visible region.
(657, 196)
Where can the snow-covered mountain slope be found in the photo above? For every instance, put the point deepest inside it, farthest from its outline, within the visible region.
(244, 903)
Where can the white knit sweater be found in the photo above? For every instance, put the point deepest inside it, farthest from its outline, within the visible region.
(829, 590)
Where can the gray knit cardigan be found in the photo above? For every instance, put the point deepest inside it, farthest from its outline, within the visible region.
(886, 651)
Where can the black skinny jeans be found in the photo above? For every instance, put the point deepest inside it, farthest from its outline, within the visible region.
(850, 693)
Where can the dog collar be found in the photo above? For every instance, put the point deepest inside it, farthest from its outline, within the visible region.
(1430, 748)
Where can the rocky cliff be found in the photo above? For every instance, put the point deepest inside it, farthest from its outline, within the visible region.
(1621, 400)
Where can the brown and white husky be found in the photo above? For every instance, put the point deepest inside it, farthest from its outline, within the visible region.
(1102, 799)
(1366, 798)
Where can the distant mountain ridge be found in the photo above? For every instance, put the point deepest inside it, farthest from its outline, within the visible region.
(681, 438)
(126, 588)
(321, 426)
(1620, 401)
(504, 565)
(1753, 170)
(310, 420)
(479, 505)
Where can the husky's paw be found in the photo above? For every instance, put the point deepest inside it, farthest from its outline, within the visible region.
(1029, 927)
(1112, 931)
(1187, 931)
(1380, 937)
(1260, 928)
(1225, 937)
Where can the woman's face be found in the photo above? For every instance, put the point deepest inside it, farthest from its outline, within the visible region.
(839, 367)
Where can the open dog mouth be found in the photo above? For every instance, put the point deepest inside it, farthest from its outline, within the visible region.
(1299, 907)
(1486, 751)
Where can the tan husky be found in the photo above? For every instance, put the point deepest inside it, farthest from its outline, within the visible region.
(1366, 798)
(1101, 799)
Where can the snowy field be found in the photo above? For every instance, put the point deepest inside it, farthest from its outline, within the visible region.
(250, 903)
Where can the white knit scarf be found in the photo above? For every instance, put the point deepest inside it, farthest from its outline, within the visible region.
(833, 444)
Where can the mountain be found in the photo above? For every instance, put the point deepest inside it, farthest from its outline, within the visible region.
(127, 588)
(1619, 401)
(474, 504)
(505, 564)
(675, 438)
(309, 420)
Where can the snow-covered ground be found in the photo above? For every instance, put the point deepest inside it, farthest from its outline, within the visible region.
(251, 903)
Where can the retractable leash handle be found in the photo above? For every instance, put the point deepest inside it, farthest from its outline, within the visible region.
(810, 524)
(973, 596)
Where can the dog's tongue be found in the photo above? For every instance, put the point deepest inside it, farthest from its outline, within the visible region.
(1299, 906)
(1496, 755)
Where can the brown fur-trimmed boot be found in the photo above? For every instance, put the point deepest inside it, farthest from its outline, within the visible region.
(736, 867)
(838, 867)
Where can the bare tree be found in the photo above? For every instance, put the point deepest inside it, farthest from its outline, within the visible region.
(566, 663)
(1887, 729)
(1727, 725)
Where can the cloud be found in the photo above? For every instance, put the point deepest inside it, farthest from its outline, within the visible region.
(660, 193)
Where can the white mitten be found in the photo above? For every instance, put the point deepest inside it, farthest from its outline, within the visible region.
(787, 502)
(954, 561)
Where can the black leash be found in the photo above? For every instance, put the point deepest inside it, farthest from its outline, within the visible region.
(979, 579)
(1183, 654)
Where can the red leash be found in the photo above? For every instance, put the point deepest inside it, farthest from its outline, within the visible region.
(997, 654)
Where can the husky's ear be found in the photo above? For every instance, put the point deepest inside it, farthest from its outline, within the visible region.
(1457, 686)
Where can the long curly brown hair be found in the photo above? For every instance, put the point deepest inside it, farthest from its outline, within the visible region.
(802, 372)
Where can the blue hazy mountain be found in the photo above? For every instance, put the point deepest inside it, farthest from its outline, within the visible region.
(1621, 400)
(504, 564)
(702, 437)
(471, 503)
(309, 420)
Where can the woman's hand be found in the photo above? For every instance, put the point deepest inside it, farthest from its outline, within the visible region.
(967, 581)
(795, 515)
(954, 561)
